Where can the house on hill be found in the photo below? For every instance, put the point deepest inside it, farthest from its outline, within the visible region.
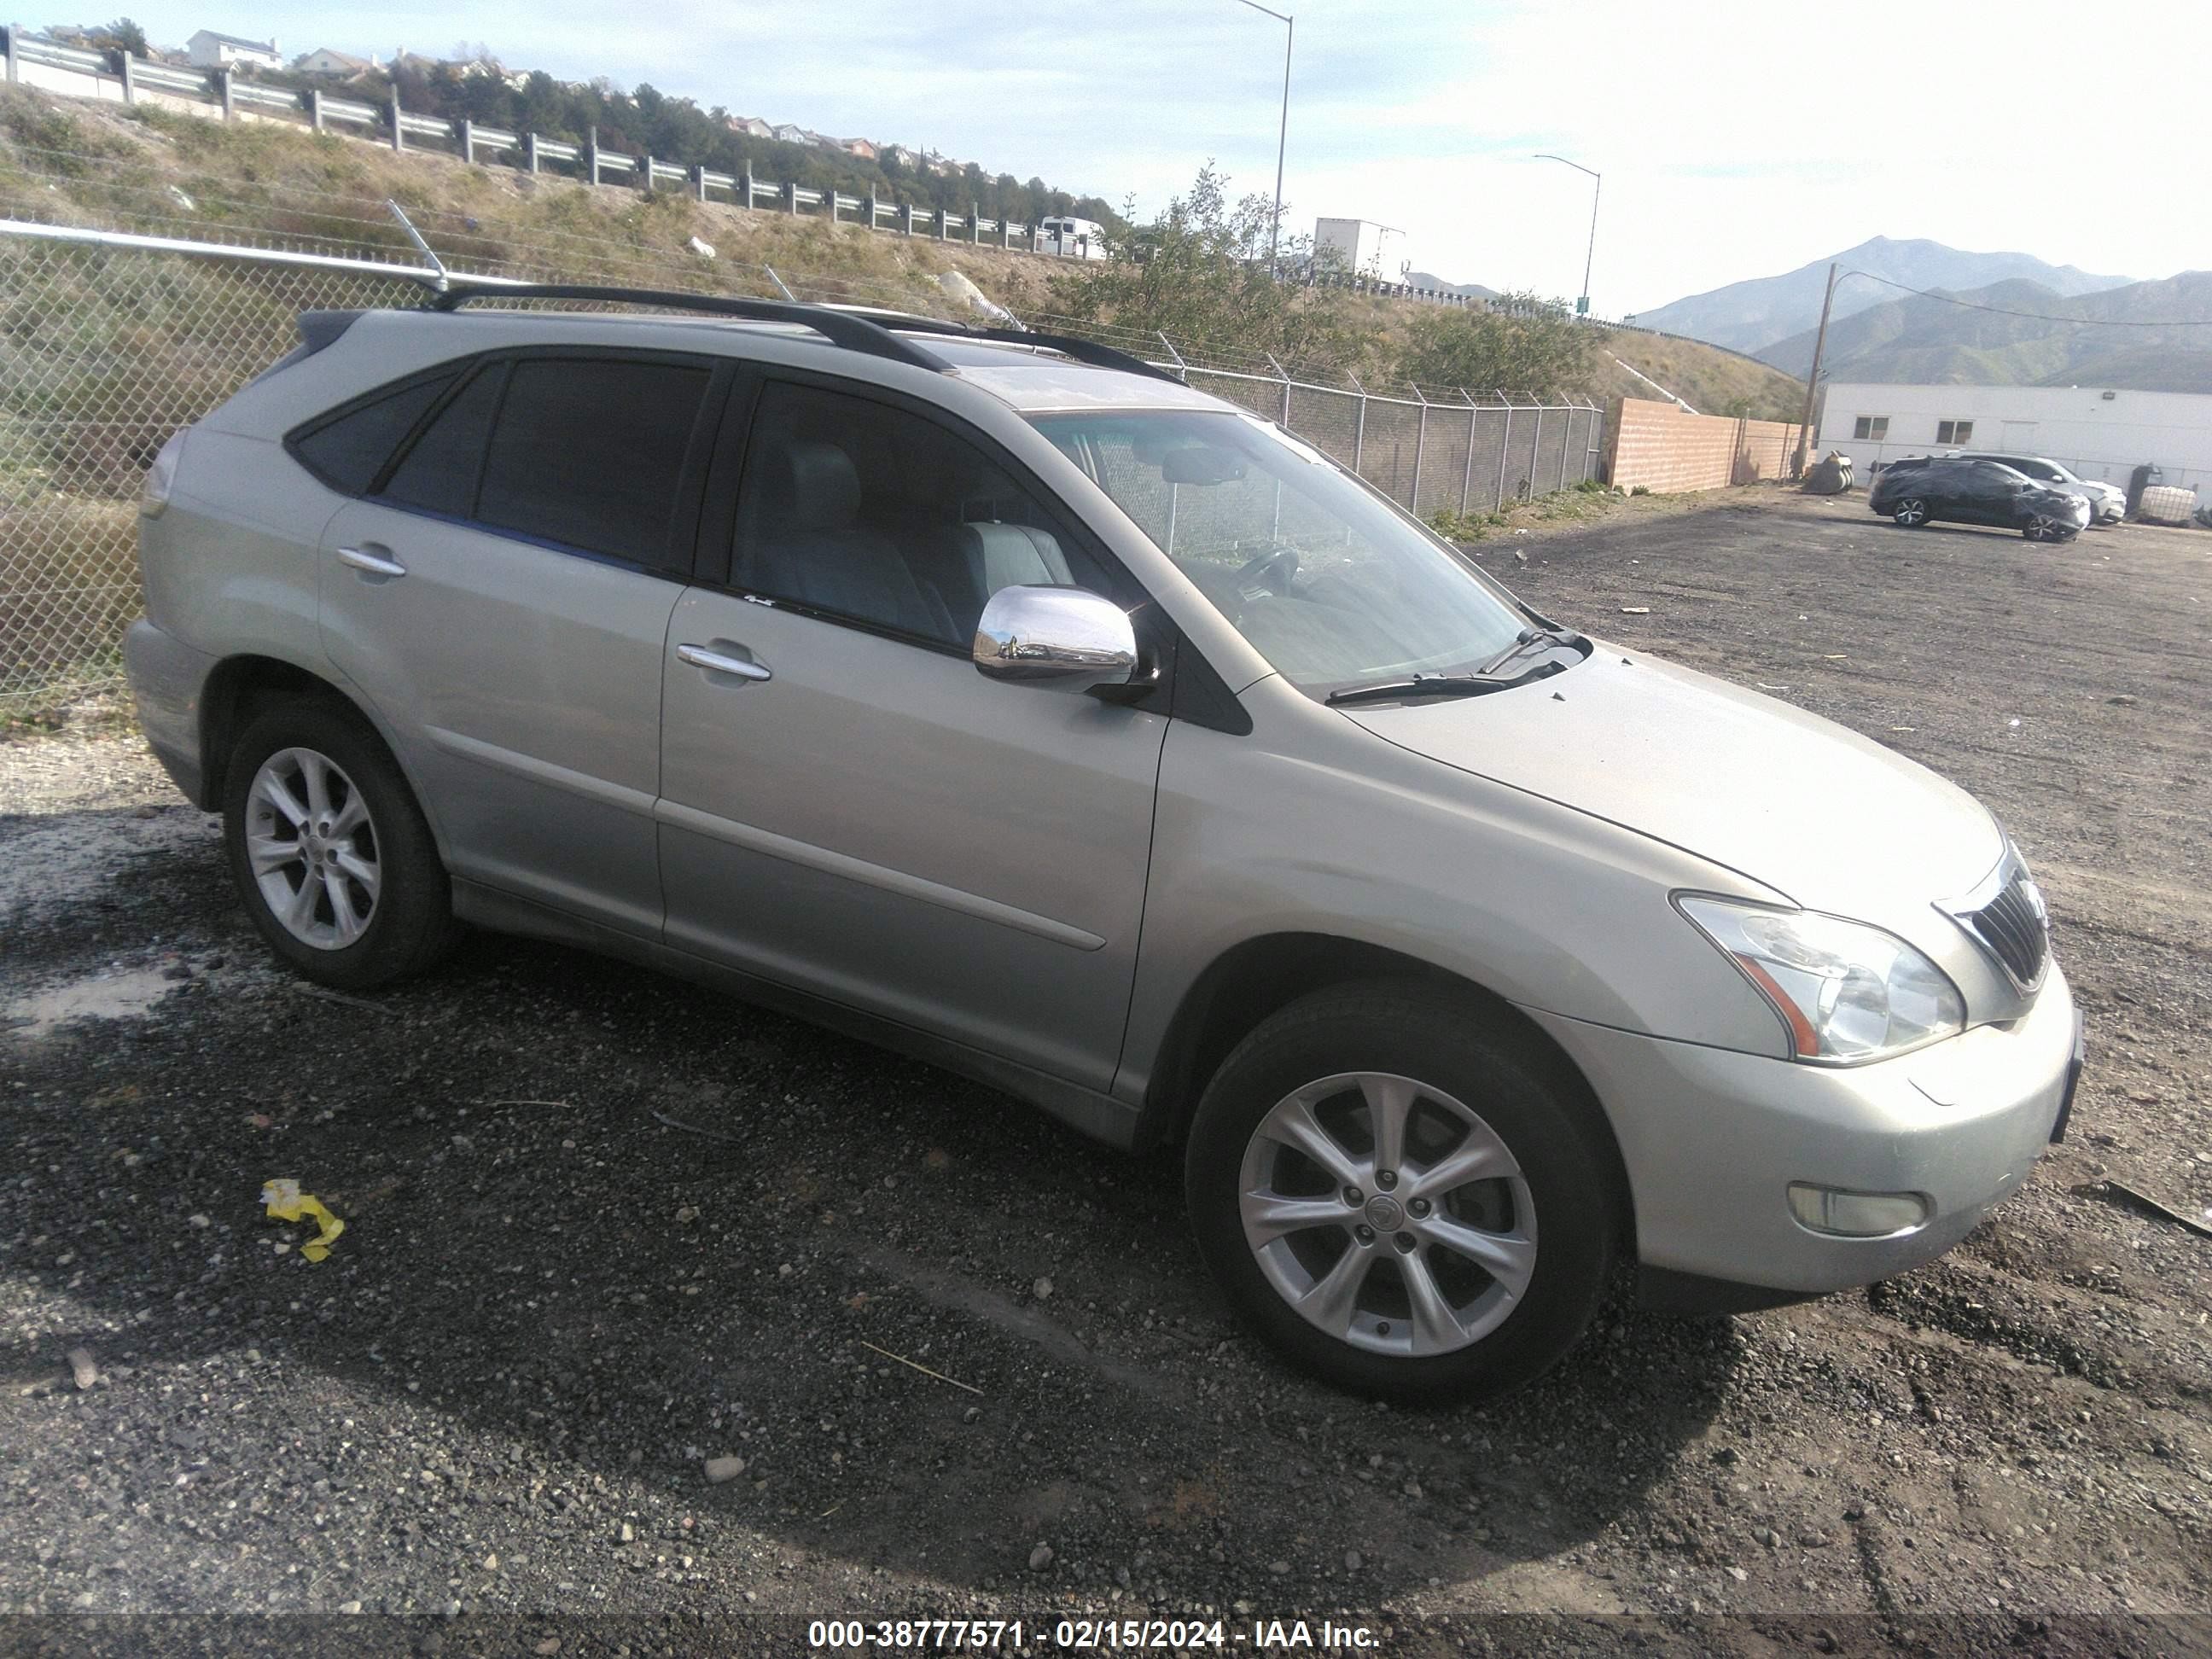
(790, 132)
(751, 126)
(328, 65)
(859, 146)
(208, 50)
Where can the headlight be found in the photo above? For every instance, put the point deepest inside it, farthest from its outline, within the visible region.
(1846, 992)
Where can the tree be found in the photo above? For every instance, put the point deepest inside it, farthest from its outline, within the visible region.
(1199, 274)
(1518, 344)
(126, 35)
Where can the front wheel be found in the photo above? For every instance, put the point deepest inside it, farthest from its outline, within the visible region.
(1911, 512)
(329, 851)
(1400, 1201)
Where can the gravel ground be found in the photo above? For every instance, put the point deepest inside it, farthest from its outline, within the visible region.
(604, 1228)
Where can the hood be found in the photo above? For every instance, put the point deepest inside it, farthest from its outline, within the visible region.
(1831, 819)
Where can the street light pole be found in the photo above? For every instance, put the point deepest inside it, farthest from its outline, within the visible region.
(1596, 188)
(1283, 134)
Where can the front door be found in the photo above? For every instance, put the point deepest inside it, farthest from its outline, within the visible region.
(847, 806)
(501, 599)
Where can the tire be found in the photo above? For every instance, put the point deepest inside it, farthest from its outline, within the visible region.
(397, 917)
(1343, 1057)
(1911, 512)
(2037, 530)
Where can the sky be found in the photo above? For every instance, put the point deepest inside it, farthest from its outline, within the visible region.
(1735, 139)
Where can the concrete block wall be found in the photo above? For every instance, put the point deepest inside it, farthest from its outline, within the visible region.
(1666, 451)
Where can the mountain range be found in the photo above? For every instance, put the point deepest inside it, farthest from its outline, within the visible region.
(1471, 290)
(1752, 315)
(2152, 336)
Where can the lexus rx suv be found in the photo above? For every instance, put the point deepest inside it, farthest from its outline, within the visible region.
(1003, 699)
(1961, 490)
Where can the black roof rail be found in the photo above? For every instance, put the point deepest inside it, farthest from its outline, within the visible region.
(854, 330)
(1068, 345)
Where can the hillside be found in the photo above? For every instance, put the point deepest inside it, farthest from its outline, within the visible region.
(70, 161)
(1765, 310)
(2146, 336)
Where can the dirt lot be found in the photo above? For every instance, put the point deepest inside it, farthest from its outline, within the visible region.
(603, 1227)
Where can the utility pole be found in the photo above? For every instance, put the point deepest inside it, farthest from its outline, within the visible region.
(1813, 379)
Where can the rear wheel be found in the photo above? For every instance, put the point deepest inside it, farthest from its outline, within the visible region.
(1911, 512)
(1400, 1200)
(329, 851)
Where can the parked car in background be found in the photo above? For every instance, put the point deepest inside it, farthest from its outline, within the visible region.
(1952, 490)
(2108, 503)
(997, 697)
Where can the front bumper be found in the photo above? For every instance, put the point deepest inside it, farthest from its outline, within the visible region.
(1712, 1139)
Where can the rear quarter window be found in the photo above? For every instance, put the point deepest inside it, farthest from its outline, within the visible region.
(346, 451)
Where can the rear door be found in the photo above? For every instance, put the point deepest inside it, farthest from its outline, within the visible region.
(500, 597)
(848, 805)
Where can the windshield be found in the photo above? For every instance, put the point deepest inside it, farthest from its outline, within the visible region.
(1329, 582)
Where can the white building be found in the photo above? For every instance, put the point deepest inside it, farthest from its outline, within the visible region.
(2100, 434)
(208, 50)
(331, 66)
(1351, 246)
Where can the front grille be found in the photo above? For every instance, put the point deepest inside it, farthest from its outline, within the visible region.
(2013, 925)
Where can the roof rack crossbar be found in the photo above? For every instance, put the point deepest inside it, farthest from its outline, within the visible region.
(1070, 345)
(852, 330)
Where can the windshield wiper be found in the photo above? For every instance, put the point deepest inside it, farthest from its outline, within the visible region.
(1551, 637)
(1419, 685)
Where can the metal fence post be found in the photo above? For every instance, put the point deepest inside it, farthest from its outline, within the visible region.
(1467, 473)
(530, 151)
(1420, 442)
(1536, 448)
(314, 105)
(1004, 229)
(398, 133)
(1358, 425)
(906, 218)
(1504, 450)
(468, 141)
(698, 181)
(14, 73)
(871, 220)
(644, 172)
(1567, 439)
(791, 196)
(1284, 373)
(123, 61)
(591, 157)
(223, 92)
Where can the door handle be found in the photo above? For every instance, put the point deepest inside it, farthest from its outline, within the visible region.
(372, 563)
(716, 662)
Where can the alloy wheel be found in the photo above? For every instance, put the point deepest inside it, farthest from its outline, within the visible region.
(1911, 512)
(312, 846)
(1389, 1214)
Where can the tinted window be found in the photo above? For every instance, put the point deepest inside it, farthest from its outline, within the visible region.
(861, 509)
(441, 467)
(589, 452)
(347, 453)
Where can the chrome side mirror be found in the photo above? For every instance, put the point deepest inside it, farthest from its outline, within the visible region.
(1064, 637)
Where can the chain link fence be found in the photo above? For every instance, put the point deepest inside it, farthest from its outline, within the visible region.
(109, 343)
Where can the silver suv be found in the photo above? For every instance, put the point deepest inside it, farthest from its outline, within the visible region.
(1004, 700)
